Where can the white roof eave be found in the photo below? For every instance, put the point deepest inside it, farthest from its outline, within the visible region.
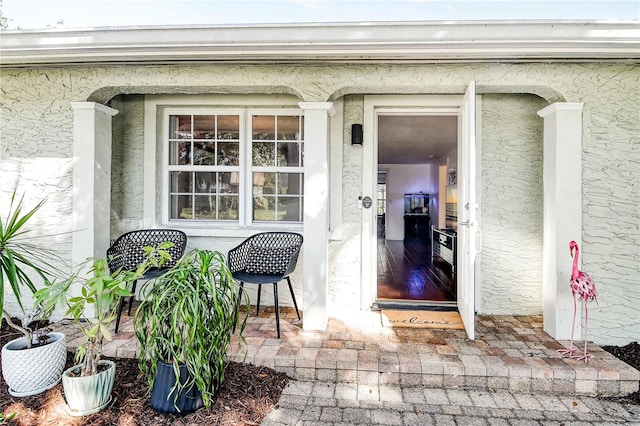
(308, 43)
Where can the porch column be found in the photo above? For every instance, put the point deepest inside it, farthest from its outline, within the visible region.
(562, 216)
(316, 213)
(91, 179)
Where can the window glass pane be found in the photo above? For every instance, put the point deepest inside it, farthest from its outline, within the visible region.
(181, 182)
(228, 127)
(205, 206)
(204, 126)
(263, 154)
(263, 127)
(288, 154)
(264, 208)
(290, 183)
(288, 127)
(205, 182)
(289, 209)
(203, 153)
(180, 207)
(264, 183)
(227, 182)
(228, 153)
(180, 127)
(228, 207)
(179, 152)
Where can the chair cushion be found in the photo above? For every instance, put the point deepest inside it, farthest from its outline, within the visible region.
(269, 260)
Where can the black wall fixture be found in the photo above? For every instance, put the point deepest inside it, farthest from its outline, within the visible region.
(356, 134)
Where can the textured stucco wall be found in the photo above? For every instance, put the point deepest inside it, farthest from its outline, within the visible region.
(511, 197)
(127, 164)
(37, 124)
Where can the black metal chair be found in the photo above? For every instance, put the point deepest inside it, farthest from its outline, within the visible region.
(126, 254)
(266, 258)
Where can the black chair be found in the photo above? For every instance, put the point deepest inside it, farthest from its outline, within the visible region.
(126, 254)
(266, 258)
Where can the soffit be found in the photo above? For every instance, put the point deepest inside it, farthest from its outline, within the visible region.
(471, 41)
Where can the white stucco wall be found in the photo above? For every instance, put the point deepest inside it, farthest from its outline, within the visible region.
(36, 144)
(511, 162)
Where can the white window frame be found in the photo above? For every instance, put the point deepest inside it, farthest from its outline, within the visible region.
(245, 170)
(248, 169)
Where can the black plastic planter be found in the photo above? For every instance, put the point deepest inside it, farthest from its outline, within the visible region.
(162, 399)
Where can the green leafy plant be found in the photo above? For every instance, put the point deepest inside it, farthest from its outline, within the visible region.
(101, 290)
(187, 319)
(19, 256)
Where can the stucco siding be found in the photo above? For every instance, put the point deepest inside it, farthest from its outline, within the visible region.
(36, 139)
(127, 163)
(511, 193)
(344, 255)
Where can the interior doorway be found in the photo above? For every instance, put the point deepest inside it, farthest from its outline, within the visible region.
(415, 262)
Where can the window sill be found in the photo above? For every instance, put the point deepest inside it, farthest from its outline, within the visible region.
(216, 230)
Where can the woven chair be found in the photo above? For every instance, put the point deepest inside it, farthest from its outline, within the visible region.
(126, 254)
(266, 258)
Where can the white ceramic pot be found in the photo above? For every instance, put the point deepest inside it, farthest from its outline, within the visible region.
(89, 394)
(33, 371)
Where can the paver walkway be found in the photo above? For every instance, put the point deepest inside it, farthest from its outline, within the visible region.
(359, 372)
(324, 404)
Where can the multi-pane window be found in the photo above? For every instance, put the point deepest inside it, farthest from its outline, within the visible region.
(276, 167)
(221, 170)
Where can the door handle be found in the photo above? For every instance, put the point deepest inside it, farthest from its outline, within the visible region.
(467, 223)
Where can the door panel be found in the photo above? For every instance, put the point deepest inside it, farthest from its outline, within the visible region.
(467, 209)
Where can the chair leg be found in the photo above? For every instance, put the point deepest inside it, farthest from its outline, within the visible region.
(275, 301)
(238, 305)
(132, 297)
(259, 293)
(293, 296)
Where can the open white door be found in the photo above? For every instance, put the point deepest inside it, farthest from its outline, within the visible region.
(467, 206)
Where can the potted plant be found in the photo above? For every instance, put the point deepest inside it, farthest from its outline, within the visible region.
(33, 363)
(88, 385)
(184, 326)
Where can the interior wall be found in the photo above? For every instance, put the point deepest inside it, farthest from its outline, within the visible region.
(403, 179)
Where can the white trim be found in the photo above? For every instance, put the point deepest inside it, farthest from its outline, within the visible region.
(562, 216)
(316, 214)
(387, 104)
(444, 41)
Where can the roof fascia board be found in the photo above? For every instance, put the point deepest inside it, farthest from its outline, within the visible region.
(308, 43)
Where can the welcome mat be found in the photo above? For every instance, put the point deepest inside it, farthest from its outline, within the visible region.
(421, 319)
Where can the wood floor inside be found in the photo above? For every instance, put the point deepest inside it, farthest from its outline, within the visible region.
(406, 272)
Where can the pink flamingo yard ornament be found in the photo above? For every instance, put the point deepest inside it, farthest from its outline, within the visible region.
(584, 288)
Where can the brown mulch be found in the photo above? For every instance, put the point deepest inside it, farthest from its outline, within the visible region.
(631, 355)
(247, 395)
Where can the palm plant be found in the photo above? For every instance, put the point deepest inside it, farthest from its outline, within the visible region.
(187, 320)
(17, 259)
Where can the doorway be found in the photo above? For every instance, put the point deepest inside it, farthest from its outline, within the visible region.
(467, 229)
(414, 268)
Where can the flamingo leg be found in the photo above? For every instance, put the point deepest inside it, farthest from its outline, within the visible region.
(569, 351)
(586, 355)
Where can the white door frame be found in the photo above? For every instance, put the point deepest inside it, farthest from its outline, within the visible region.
(373, 105)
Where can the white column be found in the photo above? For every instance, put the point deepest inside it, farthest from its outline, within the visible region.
(316, 213)
(562, 217)
(91, 179)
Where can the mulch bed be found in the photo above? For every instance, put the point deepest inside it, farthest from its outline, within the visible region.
(247, 395)
(631, 355)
